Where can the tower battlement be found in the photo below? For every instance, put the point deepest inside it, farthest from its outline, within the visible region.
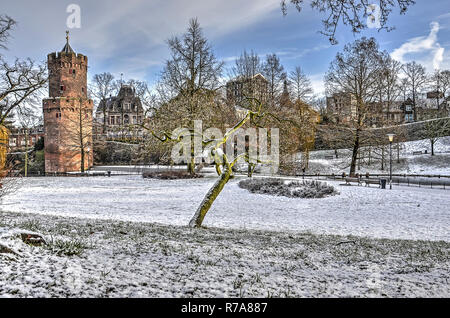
(63, 55)
(67, 73)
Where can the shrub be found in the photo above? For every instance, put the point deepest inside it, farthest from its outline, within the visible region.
(288, 188)
(37, 166)
(170, 175)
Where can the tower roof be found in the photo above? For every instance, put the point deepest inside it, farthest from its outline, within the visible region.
(67, 48)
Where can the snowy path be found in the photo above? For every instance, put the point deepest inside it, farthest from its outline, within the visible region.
(403, 213)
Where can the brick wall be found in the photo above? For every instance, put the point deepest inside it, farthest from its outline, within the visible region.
(67, 108)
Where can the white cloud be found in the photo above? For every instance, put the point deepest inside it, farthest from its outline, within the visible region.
(298, 54)
(318, 84)
(127, 37)
(424, 49)
(438, 58)
(444, 16)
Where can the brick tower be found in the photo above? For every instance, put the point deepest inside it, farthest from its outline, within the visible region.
(67, 113)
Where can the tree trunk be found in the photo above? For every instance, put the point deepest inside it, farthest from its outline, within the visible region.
(359, 160)
(191, 163)
(210, 197)
(191, 166)
(104, 119)
(354, 154)
(432, 147)
(82, 160)
(382, 158)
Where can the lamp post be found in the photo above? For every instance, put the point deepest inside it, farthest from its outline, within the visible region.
(391, 139)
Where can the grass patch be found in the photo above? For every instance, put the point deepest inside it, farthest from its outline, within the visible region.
(71, 247)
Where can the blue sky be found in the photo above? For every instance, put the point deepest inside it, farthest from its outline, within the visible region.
(129, 36)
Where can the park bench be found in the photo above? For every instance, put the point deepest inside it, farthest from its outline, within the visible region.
(329, 157)
(372, 181)
(98, 174)
(417, 153)
(348, 181)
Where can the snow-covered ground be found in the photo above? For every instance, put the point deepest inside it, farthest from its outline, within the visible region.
(401, 213)
(121, 259)
(409, 163)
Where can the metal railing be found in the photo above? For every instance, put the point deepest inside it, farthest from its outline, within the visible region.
(410, 180)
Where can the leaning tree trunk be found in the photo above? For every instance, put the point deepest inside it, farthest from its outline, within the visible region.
(210, 197)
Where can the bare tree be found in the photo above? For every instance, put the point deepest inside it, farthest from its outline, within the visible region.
(222, 162)
(388, 84)
(20, 81)
(439, 83)
(403, 86)
(6, 25)
(28, 120)
(191, 73)
(300, 84)
(78, 134)
(445, 82)
(353, 13)
(417, 78)
(354, 71)
(102, 88)
(275, 75)
(434, 129)
(247, 65)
